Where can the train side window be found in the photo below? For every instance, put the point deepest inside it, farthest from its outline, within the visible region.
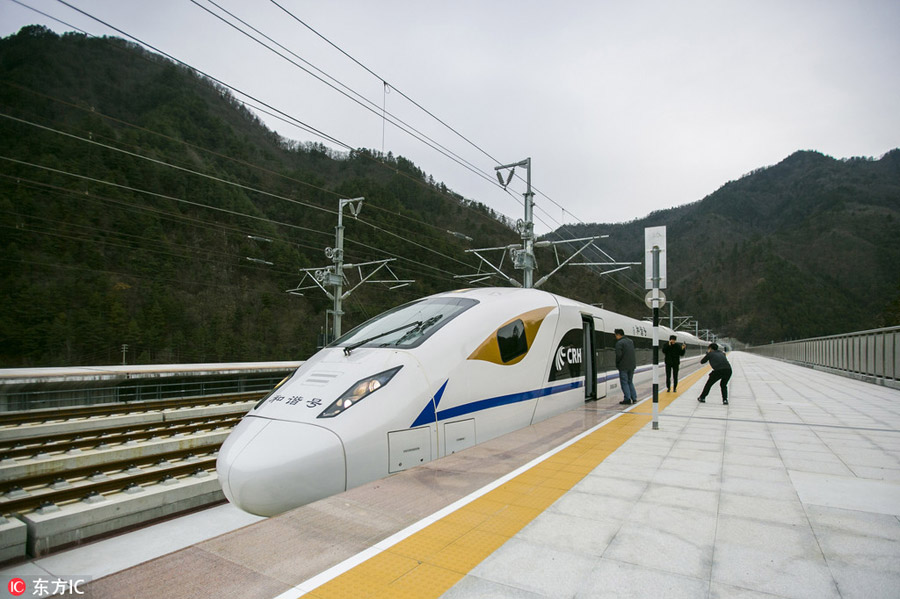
(511, 340)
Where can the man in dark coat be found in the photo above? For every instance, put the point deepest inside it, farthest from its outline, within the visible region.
(721, 371)
(673, 352)
(626, 363)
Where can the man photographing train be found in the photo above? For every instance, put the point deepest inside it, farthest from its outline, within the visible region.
(673, 352)
(721, 371)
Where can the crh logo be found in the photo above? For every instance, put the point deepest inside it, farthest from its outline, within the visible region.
(16, 587)
(567, 355)
(566, 360)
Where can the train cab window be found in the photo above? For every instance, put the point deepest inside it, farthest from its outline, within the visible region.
(511, 340)
(407, 326)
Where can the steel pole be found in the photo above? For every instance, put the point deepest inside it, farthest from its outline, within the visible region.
(528, 233)
(338, 260)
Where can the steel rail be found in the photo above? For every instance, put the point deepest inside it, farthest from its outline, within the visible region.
(26, 504)
(103, 438)
(108, 469)
(52, 415)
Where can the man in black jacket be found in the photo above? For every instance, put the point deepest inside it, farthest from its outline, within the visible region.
(626, 362)
(721, 371)
(673, 352)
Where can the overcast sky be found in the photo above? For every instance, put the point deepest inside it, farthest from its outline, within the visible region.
(623, 107)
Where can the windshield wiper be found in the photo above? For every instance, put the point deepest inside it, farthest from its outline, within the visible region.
(350, 348)
(422, 326)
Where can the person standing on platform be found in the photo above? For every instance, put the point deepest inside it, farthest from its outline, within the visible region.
(626, 363)
(673, 352)
(721, 371)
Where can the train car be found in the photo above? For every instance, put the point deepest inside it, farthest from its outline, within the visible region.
(421, 381)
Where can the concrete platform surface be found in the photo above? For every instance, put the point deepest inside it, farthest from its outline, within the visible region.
(792, 490)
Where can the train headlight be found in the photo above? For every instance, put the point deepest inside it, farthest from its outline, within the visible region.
(358, 391)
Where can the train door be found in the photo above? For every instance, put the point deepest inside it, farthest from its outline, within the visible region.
(589, 358)
(597, 358)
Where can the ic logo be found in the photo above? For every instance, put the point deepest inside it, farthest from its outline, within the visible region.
(16, 587)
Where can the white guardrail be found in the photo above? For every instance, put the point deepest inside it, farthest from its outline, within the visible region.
(872, 356)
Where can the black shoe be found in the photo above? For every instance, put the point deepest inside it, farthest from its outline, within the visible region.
(667, 389)
(725, 402)
(701, 399)
(633, 401)
(625, 402)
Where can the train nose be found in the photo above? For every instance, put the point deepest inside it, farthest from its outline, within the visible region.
(267, 467)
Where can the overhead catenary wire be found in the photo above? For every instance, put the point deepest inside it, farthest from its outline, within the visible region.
(412, 101)
(277, 113)
(93, 197)
(385, 82)
(167, 164)
(372, 107)
(207, 206)
(94, 112)
(446, 275)
(156, 278)
(291, 119)
(80, 231)
(308, 127)
(162, 214)
(49, 16)
(153, 193)
(219, 180)
(556, 232)
(55, 232)
(305, 126)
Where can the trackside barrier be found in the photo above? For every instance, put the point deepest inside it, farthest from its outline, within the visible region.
(871, 356)
(41, 388)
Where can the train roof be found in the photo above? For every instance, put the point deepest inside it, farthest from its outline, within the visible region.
(499, 293)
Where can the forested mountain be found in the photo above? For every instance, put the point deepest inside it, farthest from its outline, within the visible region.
(102, 248)
(132, 192)
(807, 247)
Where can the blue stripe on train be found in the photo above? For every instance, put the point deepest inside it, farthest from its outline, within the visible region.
(503, 400)
(429, 413)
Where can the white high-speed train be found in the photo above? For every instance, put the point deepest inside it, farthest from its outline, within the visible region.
(422, 381)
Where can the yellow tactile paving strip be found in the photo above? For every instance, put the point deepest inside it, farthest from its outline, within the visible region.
(429, 562)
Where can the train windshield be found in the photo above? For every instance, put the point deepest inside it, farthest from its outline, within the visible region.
(406, 326)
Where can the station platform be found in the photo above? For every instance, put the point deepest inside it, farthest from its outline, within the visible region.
(792, 490)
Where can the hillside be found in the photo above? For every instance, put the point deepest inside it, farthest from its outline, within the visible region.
(103, 248)
(804, 248)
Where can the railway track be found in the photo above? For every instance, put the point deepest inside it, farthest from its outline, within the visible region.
(63, 414)
(65, 442)
(99, 483)
(72, 474)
